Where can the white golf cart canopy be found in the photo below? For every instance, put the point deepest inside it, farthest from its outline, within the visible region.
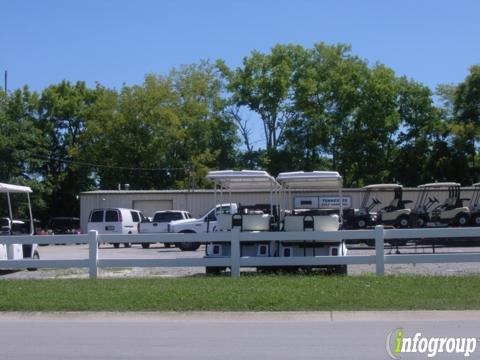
(9, 188)
(243, 180)
(383, 187)
(310, 180)
(439, 185)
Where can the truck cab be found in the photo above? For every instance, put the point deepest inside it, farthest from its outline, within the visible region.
(206, 223)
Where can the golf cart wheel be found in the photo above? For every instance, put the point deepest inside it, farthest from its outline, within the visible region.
(116, 245)
(420, 222)
(476, 220)
(145, 245)
(361, 223)
(36, 256)
(402, 222)
(462, 220)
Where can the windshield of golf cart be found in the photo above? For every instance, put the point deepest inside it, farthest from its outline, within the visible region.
(475, 200)
(426, 200)
(315, 180)
(396, 202)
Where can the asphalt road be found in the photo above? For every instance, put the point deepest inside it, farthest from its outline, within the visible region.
(222, 336)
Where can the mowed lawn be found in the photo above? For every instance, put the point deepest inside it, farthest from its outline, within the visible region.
(248, 293)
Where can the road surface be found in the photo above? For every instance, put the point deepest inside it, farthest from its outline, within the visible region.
(321, 335)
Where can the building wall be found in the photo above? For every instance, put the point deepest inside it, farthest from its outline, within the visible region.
(200, 201)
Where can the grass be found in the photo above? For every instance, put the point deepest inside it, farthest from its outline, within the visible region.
(249, 293)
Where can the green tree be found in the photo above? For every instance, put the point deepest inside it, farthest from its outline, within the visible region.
(162, 134)
(62, 112)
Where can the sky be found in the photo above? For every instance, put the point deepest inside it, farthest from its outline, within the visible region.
(118, 42)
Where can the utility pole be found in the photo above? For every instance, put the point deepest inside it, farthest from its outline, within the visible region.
(5, 81)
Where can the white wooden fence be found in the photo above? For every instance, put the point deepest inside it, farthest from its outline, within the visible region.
(235, 237)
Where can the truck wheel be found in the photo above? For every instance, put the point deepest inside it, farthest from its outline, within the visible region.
(36, 256)
(188, 246)
(145, 245)
(184, 246)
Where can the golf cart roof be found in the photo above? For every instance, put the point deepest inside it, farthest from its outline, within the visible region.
(310, 180)
(9, 188)
(383, 187)
(439, 185)
(243, 179)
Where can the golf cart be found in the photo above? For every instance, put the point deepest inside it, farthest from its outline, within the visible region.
(260, 217)
(325, 219)
(450, 212)
(362, 217)
(475, 205)
(12, 227)
(395, 214)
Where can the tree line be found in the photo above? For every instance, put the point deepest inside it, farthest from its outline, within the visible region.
(318, 108)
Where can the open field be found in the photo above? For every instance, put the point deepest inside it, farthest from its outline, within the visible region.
(252, 293)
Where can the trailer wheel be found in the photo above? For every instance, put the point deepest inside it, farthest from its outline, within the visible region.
(213, 270)
(145, 245)
(340, 270)
(36, 256)
(116, 245)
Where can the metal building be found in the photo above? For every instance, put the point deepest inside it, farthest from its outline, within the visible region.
(199, 202)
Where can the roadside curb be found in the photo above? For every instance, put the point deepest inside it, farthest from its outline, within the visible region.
(214, 316)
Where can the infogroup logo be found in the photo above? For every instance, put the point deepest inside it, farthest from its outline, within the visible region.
(397, 343)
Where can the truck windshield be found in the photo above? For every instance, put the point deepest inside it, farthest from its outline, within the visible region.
(167, 217)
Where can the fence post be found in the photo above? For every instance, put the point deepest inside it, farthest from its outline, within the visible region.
(235, 252)
(93, 253)
(379, 250)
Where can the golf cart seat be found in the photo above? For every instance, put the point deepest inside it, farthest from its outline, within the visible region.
(392, 206)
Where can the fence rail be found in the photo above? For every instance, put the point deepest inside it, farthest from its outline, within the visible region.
(235, 238)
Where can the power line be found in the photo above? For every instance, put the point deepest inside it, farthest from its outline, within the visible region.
(113, 167)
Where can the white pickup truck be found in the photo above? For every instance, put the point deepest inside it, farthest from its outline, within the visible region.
(185, 223)
(161, 222)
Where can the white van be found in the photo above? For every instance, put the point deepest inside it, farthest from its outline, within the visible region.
(115, 221)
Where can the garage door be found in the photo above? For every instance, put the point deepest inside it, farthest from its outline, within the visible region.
(148, 207)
